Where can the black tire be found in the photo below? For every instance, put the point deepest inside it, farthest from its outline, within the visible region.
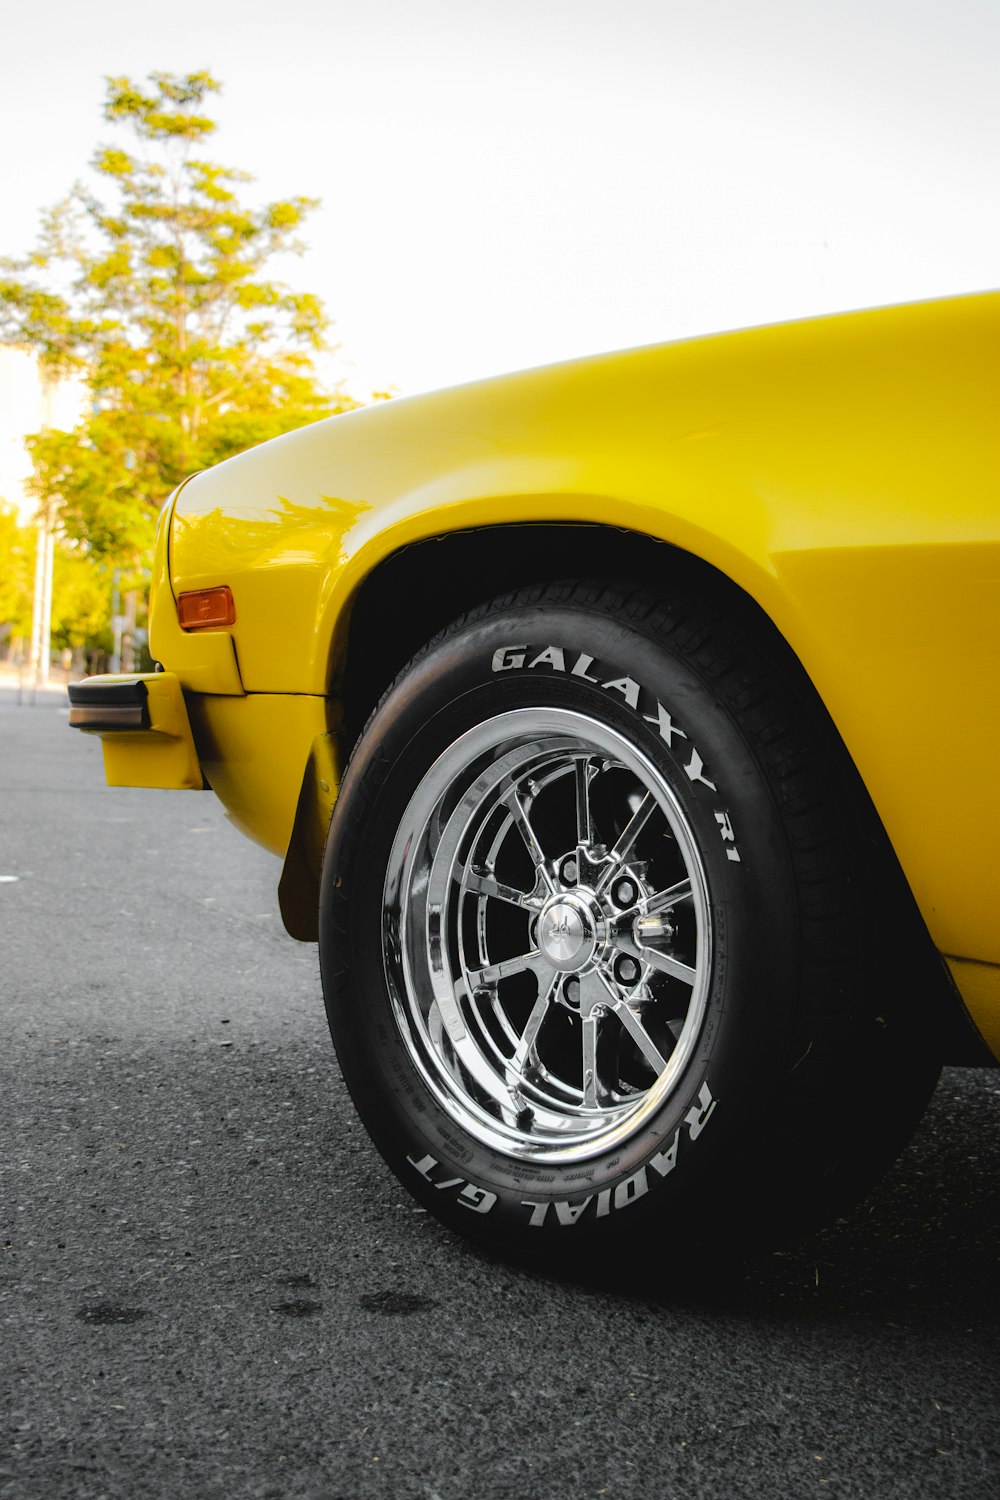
(793, 1082)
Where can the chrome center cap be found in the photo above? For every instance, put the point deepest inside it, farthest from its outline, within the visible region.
(567, 934)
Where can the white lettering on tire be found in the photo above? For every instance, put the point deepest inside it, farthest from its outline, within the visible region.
(508, 658)
(476, 1198)
(694, 768)
(728, 836)
(627, 686)
(553, 655)
(664, 1162)
(479, 1199)
(665, 725)
(699, 1114)
(584, 661)
(634, 1187)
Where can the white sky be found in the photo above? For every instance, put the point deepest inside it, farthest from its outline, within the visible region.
(507, 182)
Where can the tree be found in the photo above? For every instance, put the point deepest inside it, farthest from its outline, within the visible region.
(157, 294)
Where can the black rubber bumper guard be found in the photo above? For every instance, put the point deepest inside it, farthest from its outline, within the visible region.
(108, 705)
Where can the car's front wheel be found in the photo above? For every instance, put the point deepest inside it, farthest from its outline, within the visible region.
(593, 936)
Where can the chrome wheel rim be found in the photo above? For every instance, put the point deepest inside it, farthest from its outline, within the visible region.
(547, 935)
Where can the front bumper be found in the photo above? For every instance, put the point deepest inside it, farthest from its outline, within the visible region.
(143, 723)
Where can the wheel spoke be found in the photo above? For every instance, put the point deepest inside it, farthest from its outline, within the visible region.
(523, 825)
(641, 1037)
(488, 885)
(632, 830)
(667, 965)
(526, 1052)
(589, 1025)
(595, 992)
(669, 897)
(584, 826)
(491, 974)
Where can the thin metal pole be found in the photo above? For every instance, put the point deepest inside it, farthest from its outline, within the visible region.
(45, 643)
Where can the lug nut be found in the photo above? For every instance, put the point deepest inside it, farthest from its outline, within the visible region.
(626, 969)
(624, 892)
(571, 990)
(570, 870)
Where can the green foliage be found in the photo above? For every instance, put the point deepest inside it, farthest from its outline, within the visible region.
(81, 599)
(157, 295)
(81, 588)
(17, 568)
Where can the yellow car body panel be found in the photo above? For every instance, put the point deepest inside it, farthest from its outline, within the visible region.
(979, 987)
(252, 748)
(162, 755)
(254, 751)
(207, 657)
(844, 472)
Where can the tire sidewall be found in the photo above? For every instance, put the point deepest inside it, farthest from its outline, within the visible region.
(703, 1138)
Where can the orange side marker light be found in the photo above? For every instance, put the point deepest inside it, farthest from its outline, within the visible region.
(206, 609)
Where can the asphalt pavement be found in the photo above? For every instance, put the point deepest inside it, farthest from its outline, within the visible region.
(211, 1287)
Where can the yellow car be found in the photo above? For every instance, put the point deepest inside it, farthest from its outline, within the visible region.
(629, 731)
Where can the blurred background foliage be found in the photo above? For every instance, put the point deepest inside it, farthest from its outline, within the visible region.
(154, 290)
(81, 591)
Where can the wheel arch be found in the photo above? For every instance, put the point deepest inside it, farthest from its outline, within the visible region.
(418, 590)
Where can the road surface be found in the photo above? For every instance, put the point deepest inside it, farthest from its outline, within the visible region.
(211, 1287)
